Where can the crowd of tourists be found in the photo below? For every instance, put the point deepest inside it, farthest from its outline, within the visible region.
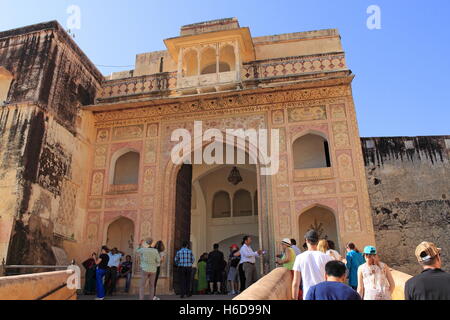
(216, 274)
(319, 272)
(104, 271)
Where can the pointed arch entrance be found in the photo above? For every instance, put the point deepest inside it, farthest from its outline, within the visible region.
(173, 190)
(120, 234)
(323, 220)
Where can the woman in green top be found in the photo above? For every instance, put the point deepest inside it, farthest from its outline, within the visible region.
(288, 257)
(202, 284)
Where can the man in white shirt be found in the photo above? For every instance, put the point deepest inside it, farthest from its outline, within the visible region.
(111, 274)
(309, 267)
(248, 260)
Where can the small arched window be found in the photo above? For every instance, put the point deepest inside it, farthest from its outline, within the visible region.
(242, 204)
(126, 170)
(311, 151)
(221, 205)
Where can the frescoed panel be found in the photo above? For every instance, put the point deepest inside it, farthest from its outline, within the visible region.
(307, 114)
(345, 163)
(340, 133)
(100, 156)
(338, 111)
(351, 214)
(284, 213)
(149, 180)
(348, 186)
(98, 179)
(102, 135)
(95, 203)
(128, 132)
(152, 130)
(302, 190)
(150, 149)
(278, 117)
(122, 202)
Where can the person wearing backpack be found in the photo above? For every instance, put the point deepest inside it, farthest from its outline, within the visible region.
(375, 281)
(233, 269)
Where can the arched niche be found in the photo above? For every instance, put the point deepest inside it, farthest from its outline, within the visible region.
(126, 168)
(242, 204)
(120, 234)
(221, 205)
(323, 220)
(311, 151)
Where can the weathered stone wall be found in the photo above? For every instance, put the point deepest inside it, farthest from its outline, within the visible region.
(409, 187)
(44, 141)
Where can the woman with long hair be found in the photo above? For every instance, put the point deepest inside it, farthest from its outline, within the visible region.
(324, 246)
(162, 253)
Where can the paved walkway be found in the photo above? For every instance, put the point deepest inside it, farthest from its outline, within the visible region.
(173, 297)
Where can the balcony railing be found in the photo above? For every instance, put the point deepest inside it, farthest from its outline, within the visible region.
(158, 84)
(292, 66)
(138, 85)
(208, 80)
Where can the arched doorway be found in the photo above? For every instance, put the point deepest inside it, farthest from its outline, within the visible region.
(322, 220)
(120, 235)
(194, 211)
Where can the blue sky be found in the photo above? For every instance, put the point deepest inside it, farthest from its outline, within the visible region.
(401, 86)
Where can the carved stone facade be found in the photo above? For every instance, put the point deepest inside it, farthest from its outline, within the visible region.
(297, 83)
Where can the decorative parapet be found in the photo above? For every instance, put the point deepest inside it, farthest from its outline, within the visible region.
(136, 86)
(313, 174)
(257, 70)
(292, 66)
(208, 79)
(122, 188)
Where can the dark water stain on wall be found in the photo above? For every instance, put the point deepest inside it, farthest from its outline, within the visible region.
(54, 165)
(377, 151)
